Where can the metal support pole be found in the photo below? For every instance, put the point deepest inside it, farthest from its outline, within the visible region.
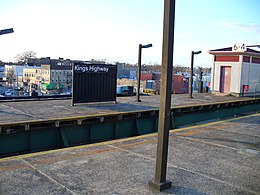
(200, 87)
(191, 74)
(200, 83)
(138, 76)
(160, 183)
(73, 86)
(255, 90)
(17, 83)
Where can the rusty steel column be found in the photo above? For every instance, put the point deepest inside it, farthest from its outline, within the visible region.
(160, 183)
(138, 76)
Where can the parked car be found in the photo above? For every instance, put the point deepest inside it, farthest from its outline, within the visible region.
(66, 93)
(10, 92)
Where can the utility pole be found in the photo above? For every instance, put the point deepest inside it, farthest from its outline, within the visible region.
(191, 75)
(191, 71)
(17, 83)
(139, 69)
(139, 73)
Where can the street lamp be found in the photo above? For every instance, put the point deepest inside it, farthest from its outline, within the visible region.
(191, 70)
(139, 69)
(160, 183)
(6, 31)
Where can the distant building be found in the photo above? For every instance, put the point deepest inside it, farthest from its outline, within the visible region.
(132, 74)
(32, 76)
(48, 60)
(59, 75)
(93, 61)
(180, 84)
(146, 76)
(156, 76)
(18, 69)
(13, 74)
(2, 73)
(120, 70)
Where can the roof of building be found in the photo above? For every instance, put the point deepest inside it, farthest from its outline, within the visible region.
(31, 67)
(57, 67)
(229, 50)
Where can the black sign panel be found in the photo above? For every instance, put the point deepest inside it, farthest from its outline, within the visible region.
(94, 83)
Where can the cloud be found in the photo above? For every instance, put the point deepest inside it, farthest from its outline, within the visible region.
(244, 27)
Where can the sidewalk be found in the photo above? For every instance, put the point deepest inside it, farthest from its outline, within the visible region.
(217, 158)
(43, 110)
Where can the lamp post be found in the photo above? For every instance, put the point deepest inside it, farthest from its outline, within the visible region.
(6, 31)
(191, 71)
(160, 183)
(139, 69)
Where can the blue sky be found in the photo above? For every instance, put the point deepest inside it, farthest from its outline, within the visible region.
(112, 29)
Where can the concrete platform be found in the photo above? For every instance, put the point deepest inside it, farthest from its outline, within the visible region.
(43, 110)
(216, 158)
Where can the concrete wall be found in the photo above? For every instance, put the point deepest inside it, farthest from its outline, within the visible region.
(235, 76)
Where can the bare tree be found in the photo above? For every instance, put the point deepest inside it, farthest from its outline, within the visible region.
(25, 56)
(10, 76)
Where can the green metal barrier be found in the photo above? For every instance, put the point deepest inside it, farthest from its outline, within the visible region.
(125, 128)
(16, 140)
(14, 143)
(145, 125)
(75, 134)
